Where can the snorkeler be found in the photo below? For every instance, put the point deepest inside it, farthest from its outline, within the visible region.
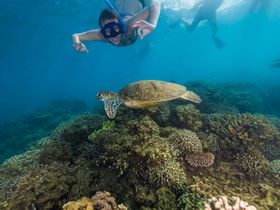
(121, 24)
(275, 64)
(206, 10)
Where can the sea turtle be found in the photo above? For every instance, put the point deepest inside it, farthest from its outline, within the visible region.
(145, 93)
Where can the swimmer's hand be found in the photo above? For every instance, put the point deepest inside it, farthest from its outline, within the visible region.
(143, 28)
(80, 47)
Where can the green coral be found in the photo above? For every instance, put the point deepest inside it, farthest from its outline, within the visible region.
(144, 127)
(240, 130)
(100, 201)
(275, 166)
(190, 201)
(107, 126)
(156, 151)
(165, 199)
(253, 165)
(169, 174)
(187, 116)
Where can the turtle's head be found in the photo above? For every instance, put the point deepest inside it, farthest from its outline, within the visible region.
(105, 95)
(111, 101)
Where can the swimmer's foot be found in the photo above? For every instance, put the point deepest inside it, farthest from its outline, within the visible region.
(186, 24)
(218, 42)
(174, 25)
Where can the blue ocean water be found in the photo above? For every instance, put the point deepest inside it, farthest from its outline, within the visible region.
(44, 83)
(38, 63)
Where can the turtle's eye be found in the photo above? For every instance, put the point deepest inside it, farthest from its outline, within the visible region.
(98, 96)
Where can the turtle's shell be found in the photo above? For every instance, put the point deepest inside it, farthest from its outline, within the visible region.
(150, 92)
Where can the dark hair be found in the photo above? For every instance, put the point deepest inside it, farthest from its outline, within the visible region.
(106, 14)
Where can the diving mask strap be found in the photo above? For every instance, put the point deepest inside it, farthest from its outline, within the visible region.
(122, 24)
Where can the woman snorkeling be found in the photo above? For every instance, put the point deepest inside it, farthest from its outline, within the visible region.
(121, 25)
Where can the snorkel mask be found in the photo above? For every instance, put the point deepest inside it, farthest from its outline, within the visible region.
(113, 29)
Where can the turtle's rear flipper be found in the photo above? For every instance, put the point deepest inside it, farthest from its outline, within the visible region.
(111, 105)
(191, 96)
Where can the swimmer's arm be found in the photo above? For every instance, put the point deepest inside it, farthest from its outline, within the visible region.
(152, 13)
(92, 35)
(198, 4)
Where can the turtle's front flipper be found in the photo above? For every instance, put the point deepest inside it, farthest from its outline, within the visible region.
(111, 105)
(191, 96)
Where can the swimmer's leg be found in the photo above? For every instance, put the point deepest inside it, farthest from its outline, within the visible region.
(194, 23)
(214, 27)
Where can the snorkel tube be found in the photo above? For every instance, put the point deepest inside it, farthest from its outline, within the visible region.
(122, 24)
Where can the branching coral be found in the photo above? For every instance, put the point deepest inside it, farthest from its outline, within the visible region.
(169, 174)
(186, 141)
(144, 127)
(275, 166)
(165, 199)
(187, 116)
(156, 151)
(241, 129)
(100, 201)
(200, 159)
(223, 202)
(190, 201)
(253, 165)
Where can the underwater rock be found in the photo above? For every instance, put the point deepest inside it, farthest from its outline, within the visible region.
(55, 151)
(223, 202)
(78, 130)
(100, 201)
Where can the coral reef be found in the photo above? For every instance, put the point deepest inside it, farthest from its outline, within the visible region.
(187, 116)
(253, 165)
(223, 202)
(100, 201)
(190, 200)
(239, 132)
(161, 158)
(107, 126)
(275, 166)
(186, 141)
(200, 159)
(78, 130)
(32, 126)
